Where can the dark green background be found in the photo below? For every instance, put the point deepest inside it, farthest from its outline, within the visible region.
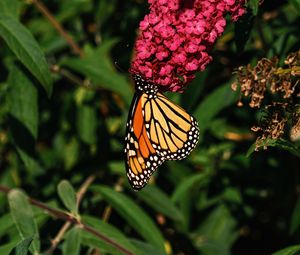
(215, 202)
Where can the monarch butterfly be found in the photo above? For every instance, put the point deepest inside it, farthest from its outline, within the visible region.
(157, 130)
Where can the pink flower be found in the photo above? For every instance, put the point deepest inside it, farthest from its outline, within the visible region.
(180, 57)
(190, 47)
(161, 53)
(146, 70)
(144, 24)
(173, 43)
(220, 25)
(166, 70)
(176, 37)
(192, 66)
(186, 15)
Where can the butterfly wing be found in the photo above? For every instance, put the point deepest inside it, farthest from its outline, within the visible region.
(141, 158)
(172, 132)
(157, 130)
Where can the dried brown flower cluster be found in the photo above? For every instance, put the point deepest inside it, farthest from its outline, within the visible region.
(272, 124)
(267, 77)
(295, 130)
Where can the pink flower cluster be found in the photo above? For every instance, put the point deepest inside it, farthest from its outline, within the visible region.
(176, 37)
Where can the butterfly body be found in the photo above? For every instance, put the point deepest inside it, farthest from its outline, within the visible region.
(157, 130)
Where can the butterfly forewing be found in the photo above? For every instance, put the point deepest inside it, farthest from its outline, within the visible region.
(141, 158)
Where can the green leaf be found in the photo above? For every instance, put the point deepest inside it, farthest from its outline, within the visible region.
(253, 4)
(218, 231)
(291, 250)
(72, 242)
(87, 124)
(188, 184)
(280, 143)
(22, 100)
(22, 247)
(133, 214)
(27, 50)
(108, 231)
(23, 217)
(71, 153)
(7, 248)
(233, 195)
(295, 220)
(147, 248)
(215, 102)
(67, 195)
(97, 66)
(10, 7)
(22, 103)
(159, 201)
(296, 4)
(6, 222)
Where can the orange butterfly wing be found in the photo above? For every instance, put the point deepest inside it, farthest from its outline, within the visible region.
(141, 157)
(171, 130)
(157, 130)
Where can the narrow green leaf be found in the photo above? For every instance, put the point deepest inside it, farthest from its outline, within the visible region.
(280, 143)
(22, 100)
(7, 248)
(6, 222)
(147, 248)
(97, 66)
(72, 242)
(187, 185)
(71, 153)
(296, 4)
(104, 77)
(10, 7)
(22, 247)
(23, 217)
(233, 195)
(109, 231)
(159, 201)
(87, 123)
(253, 4)
(133, 214)
(215, 102)
(67, 195)
(219, 232)
(27, 50)
(291, 250)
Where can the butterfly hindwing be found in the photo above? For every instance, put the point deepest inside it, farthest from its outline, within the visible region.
(171, 130)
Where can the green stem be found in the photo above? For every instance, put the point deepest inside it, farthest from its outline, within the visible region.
(281, 71)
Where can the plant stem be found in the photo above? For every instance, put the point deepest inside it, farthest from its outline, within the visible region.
(294, 69)
(58, 237)
(82, 190)
(108, 209)
(72, 219)
(43, 9)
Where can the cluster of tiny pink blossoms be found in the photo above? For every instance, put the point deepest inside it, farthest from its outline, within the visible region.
(176, 37)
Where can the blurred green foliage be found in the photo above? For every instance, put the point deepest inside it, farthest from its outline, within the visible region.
(70, 124)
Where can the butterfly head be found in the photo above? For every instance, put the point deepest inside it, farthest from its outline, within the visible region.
(144, 85)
